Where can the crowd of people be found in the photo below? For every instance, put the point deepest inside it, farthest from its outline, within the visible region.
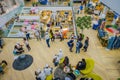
(79, 43)
(64, 65)
(50, 36)
(58, 59)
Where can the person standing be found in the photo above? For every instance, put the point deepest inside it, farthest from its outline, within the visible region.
(61, 33)
(37, 34)
(1, 42)
(78, 46)
(86, 44)
(71, 44)
(60, 54)
(81, 8)
(27, 35)
(52, 37)
(27, 44)
(47, 39)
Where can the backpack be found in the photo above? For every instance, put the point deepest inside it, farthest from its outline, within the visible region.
(80, 45)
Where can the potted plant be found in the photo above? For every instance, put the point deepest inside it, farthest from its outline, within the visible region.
(83, 22)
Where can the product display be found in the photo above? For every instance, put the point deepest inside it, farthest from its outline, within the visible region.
(33, 17)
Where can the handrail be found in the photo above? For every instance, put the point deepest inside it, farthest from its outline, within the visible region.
(8, 16)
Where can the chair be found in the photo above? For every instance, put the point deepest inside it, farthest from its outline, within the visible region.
(94, 76)
(50, 77)
(89, 66)
(3, 64)
(61, 60)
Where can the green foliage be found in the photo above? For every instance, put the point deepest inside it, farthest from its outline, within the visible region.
(1, 32)
(84, 22)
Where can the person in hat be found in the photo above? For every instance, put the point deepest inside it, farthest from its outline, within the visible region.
(60, 54)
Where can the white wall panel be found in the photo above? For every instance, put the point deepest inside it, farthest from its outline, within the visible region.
(113, 4)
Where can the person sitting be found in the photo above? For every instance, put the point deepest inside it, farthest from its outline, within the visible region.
(66, 61)
(86, 79)
(1, 43)
(18, 49)
(56, 60)
(56, 78)
(81, 65)
(72, 75)
(2, 65)
(47, 70)
(40, 75)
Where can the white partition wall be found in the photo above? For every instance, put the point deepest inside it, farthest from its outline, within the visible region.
(112, 4)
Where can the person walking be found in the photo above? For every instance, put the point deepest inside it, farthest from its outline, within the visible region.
(27, 44)
(86, 44)
(47, 39)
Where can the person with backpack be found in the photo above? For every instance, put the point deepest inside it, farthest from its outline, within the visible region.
(78, 46)
(71, 44)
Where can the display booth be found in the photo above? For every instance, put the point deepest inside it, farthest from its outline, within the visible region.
(35, 18)
(109, 30)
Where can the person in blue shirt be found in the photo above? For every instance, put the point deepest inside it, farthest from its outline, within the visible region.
(71, 44)
(81, 8)
(86, 44)
(78, 46)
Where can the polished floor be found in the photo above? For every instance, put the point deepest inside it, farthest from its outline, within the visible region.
(106, 62)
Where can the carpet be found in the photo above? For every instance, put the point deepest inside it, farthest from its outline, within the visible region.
(22, 62)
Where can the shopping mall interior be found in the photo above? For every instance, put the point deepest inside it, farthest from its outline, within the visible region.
(59, 40)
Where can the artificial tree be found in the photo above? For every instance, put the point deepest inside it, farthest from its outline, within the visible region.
(83, 22)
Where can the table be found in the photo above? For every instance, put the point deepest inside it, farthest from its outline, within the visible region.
(22, 62)
(59, 73)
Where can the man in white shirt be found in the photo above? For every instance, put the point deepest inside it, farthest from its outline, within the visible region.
(40, 74)
(37, 34)
(60, 54)
(47, 39)
(48, 70)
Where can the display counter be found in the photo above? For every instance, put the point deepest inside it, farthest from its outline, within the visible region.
(56, 17)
